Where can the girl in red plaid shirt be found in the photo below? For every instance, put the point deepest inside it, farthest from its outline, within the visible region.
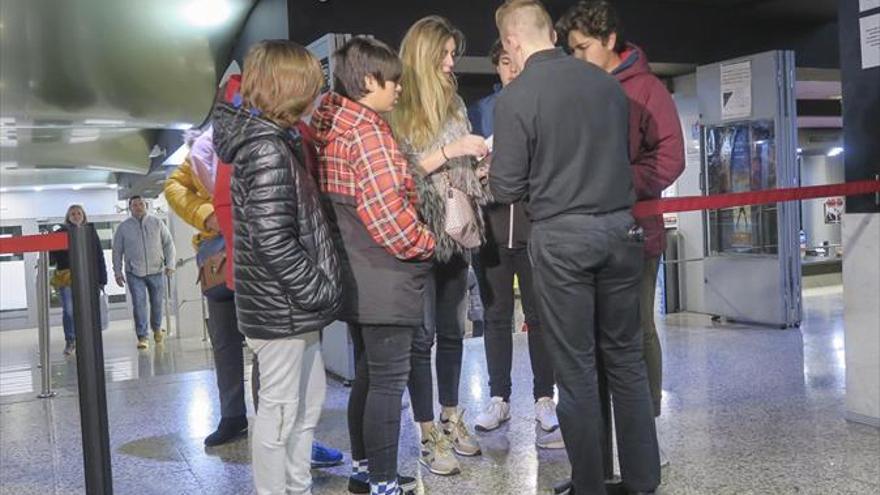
(386, 252)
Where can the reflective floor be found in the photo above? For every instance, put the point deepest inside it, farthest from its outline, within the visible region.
(747, 410)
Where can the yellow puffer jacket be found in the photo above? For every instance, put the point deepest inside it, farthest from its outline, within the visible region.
(189, 198)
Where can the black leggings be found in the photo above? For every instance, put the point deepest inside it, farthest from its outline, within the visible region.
(445, 308)
(382, 365)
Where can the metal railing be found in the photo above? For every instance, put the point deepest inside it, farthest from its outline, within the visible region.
(43, 324)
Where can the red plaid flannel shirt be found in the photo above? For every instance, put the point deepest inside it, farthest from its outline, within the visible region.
(359, 158)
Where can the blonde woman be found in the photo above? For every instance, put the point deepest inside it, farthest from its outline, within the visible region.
(430, 123)
(75, 216)
(287, 279)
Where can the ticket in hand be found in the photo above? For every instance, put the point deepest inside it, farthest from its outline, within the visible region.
(489, 142)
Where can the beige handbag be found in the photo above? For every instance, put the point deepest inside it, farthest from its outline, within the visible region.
(461, 221)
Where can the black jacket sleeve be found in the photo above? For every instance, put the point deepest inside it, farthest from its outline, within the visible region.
(270, 207)
(509, 173)
(99, 255)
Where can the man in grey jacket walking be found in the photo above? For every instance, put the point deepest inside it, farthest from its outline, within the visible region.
(145, 243)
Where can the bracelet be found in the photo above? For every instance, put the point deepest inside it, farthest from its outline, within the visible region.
(443, 152)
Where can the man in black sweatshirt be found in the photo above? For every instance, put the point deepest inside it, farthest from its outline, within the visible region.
(561, 142)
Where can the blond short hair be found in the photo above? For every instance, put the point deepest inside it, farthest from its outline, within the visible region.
(280, 79)
(529, 16)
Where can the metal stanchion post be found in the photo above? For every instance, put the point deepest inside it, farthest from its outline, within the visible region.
(43, 324)
(204, 319)
(90, 360)
(168, 305)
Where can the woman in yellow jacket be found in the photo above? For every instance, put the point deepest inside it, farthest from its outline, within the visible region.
(191, 200)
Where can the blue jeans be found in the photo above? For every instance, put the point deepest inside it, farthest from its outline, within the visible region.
(66, 296)
(139, 287)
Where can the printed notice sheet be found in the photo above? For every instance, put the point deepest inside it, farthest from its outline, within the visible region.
(869, 29)
(736, 90)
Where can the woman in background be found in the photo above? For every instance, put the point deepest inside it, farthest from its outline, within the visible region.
(75, 216)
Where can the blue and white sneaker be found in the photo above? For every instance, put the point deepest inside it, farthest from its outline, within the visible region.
(360, 484)
(324, 456)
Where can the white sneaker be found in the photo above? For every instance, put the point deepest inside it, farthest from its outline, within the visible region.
(437, 454)
(463, 443)
(545, 414)
(496, 413)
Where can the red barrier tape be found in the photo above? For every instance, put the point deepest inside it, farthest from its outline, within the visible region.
(58, 241)
(729, 200)
(33, 243)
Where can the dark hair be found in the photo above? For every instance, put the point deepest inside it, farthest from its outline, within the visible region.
(594, 18)
(496, 52)
(132, 198)
(361, 57)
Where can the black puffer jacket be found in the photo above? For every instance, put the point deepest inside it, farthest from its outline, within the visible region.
(287, 278)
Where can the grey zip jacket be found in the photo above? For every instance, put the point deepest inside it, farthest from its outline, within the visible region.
(146, 245)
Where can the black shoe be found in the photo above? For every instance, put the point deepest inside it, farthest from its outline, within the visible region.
(407, 484)
(612, 487)
(228, 430)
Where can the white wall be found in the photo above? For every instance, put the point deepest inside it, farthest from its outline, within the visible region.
(16, 205)
(861, 301)
(690, 224)
(186, 294)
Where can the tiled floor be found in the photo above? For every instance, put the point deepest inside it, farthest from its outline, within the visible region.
(746, 411)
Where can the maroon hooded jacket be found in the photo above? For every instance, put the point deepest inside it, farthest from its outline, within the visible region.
(656, 145)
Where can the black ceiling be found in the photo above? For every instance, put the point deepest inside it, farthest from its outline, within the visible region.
(671, 31)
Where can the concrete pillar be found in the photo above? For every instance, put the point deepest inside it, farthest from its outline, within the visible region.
(861, 223)
(861, 296)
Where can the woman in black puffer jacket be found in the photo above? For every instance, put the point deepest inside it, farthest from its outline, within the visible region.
(287, 278)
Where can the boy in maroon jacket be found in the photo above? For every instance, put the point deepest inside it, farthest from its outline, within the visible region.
(591, 30)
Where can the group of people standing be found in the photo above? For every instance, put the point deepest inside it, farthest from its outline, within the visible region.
(371, 214)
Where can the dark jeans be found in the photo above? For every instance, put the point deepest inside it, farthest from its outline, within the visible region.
(382, 362)
(445, 307)
(499, 265)
(587, 274)
(650, 339)
(226, 342)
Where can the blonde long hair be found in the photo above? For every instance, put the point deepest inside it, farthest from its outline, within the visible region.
(427, 95)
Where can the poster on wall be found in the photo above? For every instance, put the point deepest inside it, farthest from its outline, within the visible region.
(736, 90)
(833, 209)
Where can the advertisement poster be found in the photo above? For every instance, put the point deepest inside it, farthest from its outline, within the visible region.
(736, 90)
(741, 178)
(741, 157)
(833, 209)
